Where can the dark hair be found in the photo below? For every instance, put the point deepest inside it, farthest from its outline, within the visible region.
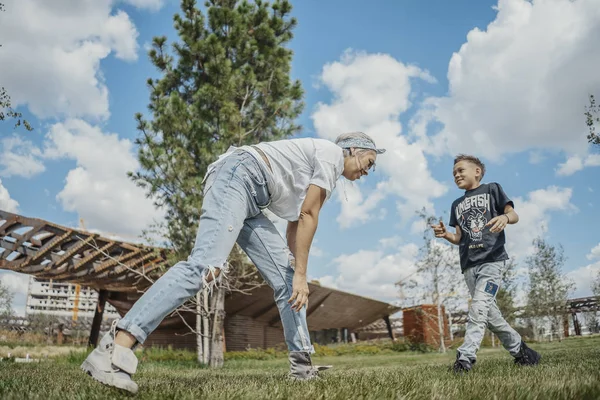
(471, 159)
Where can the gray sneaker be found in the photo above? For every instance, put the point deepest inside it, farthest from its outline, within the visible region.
(112, 364)
(301, 368)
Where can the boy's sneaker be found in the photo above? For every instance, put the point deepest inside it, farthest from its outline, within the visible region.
(527, 356)
(461, 366)
(112, 364)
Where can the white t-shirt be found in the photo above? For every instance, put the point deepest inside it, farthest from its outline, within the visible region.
(296, 164)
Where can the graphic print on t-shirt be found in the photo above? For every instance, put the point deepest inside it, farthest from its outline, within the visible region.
(471, 215)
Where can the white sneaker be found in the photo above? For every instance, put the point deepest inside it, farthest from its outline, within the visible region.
(112, 364)
(301, 368)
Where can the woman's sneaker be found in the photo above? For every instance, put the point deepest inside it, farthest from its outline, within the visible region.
(112, 364)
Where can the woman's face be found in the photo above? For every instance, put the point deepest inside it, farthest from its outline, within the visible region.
(358, 163)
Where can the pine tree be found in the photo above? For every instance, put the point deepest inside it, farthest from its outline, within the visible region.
(225, 81)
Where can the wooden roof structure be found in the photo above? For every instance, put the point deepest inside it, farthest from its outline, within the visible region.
(50, 251)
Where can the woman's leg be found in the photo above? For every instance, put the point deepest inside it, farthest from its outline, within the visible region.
(230, 197)
(224, 209)
(266, 248)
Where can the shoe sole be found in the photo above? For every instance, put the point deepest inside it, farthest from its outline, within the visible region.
(98, 376)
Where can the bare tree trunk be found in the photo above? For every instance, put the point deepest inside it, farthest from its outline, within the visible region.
(205, 326)
(441, 326)
(216, 342)
(199, 313)
(440, 315)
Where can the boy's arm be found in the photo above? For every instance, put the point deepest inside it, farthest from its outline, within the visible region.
(511, 215)
(441, 232)
(455, 237)
(506, 207)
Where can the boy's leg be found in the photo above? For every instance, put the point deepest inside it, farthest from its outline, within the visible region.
(510, 339)
(268, 251)
(483, 281)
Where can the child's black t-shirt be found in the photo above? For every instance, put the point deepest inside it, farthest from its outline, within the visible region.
(470, 213)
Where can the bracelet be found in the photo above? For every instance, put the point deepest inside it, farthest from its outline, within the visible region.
(507, 219)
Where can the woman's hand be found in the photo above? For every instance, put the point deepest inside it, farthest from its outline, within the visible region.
(299, 292)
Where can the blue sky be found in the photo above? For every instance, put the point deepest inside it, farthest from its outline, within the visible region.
(506, 80)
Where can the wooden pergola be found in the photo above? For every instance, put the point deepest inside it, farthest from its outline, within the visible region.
(119, 271)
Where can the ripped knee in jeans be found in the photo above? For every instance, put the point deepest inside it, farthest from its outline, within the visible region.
(214, 276)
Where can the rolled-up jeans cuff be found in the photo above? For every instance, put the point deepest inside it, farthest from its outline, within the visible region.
(133, 329)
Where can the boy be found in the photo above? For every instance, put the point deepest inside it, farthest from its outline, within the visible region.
(480, 216)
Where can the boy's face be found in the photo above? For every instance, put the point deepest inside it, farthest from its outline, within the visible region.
(466, 175)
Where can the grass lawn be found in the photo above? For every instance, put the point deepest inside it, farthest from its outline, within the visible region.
(569, 370)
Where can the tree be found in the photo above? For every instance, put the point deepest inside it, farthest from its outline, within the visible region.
(549, 289)
(592, 321)
(596, 285)
(506, 292)
(226, 82)
(6, 299)
(6, 110)
(592, 115)
(437, 279)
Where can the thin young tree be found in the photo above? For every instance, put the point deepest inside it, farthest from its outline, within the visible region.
(549, 288)
(6, 299)
(225, 81)
(507, 291)
(437, 279)
(592, 119)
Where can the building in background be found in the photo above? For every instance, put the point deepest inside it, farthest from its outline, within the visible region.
(66, 301)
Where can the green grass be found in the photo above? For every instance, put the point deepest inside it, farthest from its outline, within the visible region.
(569, 370)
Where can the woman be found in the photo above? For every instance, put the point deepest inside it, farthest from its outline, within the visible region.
(292, 178)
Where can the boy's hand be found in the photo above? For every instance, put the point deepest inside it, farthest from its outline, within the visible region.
(498, 223)
(439, 230)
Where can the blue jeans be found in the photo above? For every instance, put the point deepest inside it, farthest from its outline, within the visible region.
(483, 282)
(235, 192)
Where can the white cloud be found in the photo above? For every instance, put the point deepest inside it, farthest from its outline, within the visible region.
(6, 202)
(370, 92)
(98, 189)
(393, 242)
(523, 82)
(18, 285)
(316, 251)
(355, 209)
(373, 273)
(52, 61)
(534, 218)
(594, 253)
(16, 282)
(153, 5)
(20, 158)
(583, 278)
(577, 163)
